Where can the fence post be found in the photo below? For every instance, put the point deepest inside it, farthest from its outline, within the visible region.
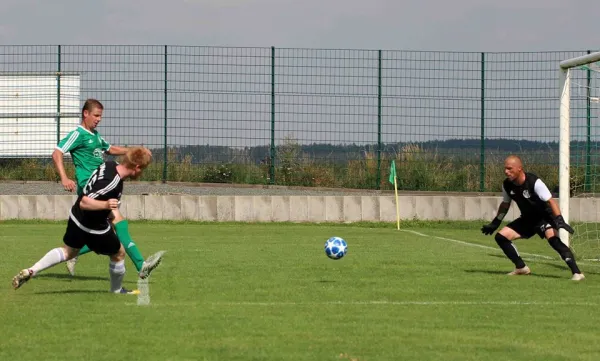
(272, 150)
(588, 138)
(58, 74)
(165, 151)
(482, 140)
(379, 143)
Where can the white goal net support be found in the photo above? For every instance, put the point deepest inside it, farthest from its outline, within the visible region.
(579, 153)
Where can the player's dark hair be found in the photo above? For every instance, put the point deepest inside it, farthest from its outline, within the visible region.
(91, 104)
(136, 156)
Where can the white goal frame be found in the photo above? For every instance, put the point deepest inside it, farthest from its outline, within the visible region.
(565, 134)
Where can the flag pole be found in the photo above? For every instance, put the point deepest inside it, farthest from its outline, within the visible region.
(397, 207)
(394, 180)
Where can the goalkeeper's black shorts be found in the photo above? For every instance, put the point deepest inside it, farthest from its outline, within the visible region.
(527, 228)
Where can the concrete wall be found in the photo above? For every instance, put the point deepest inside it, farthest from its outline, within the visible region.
(286, 208)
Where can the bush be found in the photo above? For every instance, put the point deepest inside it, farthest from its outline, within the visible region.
(418, 169)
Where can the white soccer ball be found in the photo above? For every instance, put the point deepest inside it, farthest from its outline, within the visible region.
(336, 248)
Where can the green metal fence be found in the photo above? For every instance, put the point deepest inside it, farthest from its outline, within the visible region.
(311, 117)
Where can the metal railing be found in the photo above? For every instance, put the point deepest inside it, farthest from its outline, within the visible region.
(313, 117)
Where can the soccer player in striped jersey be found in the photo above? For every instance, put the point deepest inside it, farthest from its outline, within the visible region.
(88, 223)
(540, 215)
(87, 149)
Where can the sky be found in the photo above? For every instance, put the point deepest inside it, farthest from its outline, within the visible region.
(219, 97)
(457, 25)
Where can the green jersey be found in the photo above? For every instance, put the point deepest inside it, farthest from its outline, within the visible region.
(87, 151)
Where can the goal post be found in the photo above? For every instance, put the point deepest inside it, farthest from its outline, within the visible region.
(566, 79)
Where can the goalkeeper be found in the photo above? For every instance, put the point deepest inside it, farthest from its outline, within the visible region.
(540, 215)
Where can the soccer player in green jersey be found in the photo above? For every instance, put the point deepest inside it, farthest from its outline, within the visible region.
(87, 150)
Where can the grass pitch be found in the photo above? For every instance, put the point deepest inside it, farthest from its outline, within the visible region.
(268, 292)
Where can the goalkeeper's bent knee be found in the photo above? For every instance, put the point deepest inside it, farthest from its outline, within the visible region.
(509, 250)
(560, 247)
(500, 239)
(565, 253)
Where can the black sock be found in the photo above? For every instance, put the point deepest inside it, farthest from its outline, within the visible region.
(565, 253)
(509, 250)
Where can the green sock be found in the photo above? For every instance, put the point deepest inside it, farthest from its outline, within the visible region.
(122, 230)
(84, 250)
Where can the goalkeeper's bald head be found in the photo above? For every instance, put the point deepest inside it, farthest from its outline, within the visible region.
(513, 169)
(515, 160)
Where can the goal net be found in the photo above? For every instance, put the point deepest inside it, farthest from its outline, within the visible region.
(579, 153)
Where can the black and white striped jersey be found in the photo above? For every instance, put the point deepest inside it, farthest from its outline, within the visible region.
(104, 184)
(531, 197)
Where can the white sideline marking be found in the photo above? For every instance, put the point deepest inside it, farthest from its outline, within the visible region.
(475, 244)
(376, 303)
(403, 303)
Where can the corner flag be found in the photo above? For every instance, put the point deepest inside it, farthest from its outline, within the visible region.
(394, 180)
(393, 173)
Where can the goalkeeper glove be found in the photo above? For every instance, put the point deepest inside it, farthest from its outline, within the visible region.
(490, 228)
(559, 221)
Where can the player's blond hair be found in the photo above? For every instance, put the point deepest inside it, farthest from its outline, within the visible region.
(136, 156)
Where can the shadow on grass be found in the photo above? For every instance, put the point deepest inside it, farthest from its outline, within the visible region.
(69, 277)
(65, 292)
(560, 265)
(505, 272)
(537, 259)
(583, 268)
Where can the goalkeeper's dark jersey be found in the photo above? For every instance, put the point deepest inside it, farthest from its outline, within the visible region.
(531, 197)
(104, 184)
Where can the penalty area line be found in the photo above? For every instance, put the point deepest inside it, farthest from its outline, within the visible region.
(469, 244)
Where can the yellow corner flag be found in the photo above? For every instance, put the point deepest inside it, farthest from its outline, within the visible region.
(394, 180)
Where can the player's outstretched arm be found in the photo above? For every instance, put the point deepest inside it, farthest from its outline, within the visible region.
(493, 226)
(116, 150)
(59, 165)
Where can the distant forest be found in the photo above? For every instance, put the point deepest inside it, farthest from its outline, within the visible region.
(458, 149)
